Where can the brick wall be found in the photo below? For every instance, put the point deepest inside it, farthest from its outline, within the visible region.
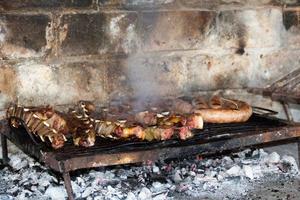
(60, 51)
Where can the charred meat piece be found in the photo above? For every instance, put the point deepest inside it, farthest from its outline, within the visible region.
(172, 120)
(85, 137)
(194, 121)
(182, 107)
(146, 118)
(57, 141)
(105, 129)
(43, 122)
(130, 132)
(158, 133)
(81, 126)
(185, 133)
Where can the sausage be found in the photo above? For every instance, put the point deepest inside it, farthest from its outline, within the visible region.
(225, 112)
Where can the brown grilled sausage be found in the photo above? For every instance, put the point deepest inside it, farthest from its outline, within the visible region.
(225, 113)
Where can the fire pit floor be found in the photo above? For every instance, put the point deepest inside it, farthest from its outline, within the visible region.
(258, 131)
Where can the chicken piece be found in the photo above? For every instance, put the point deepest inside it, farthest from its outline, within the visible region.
(146, 118)
(104, 129)
(185, 133)
(195, 121)
(57, 141)
(82, 129)
(182, 107)
(166, 132)
(128, 132)
(172, 120)
(58, 122)
(85, 137)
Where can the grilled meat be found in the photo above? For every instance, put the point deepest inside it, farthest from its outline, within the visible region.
(194, 121)
(146, 118)
(182, 107)
(130, 132)
(158, 133)
(81, 126)
(44, 122)
(117, 121)
(185, 133)
(223, 110)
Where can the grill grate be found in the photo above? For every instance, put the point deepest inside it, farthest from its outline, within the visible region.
(258, 130)
(211, 132)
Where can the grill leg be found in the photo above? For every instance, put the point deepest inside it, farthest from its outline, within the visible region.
(5, 158)
(67, 180)
(299, 153)
(288, 112)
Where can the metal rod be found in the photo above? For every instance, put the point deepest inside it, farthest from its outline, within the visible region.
(5, 158)
(287, 112)
(298, 151)
(68, 186)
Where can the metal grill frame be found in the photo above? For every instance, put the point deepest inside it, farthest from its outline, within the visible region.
(286, 133)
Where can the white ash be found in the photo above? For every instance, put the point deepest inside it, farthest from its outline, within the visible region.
(230, 176)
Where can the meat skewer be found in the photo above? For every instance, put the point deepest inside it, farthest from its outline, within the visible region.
(122, 122)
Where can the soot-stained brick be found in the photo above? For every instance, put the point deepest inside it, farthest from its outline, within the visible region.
(138, 4)
(290, 2)
(228, 4)
(99, 33)
(250, 28)
(291, 18)
(31, 4)
(177, 29)
(8, 84)
(21, 34)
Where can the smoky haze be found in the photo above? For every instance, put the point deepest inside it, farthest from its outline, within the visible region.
(143, 78)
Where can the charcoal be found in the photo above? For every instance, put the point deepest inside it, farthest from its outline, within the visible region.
(145, 194)
(248, 171)
(197, 178)
(87, 192)
(155, 169)
(273, 158)
(234, 171)
(131, 196)
(56, 192)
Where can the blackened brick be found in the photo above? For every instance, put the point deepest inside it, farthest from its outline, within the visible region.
(171, 30)
(138, 4)
(291, 18)
(28, 4)
(217, 4)
(23, 33)
(290, 3)
(291, 22)
(99, 33)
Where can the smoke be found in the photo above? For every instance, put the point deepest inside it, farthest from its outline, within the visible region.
(143, 78)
